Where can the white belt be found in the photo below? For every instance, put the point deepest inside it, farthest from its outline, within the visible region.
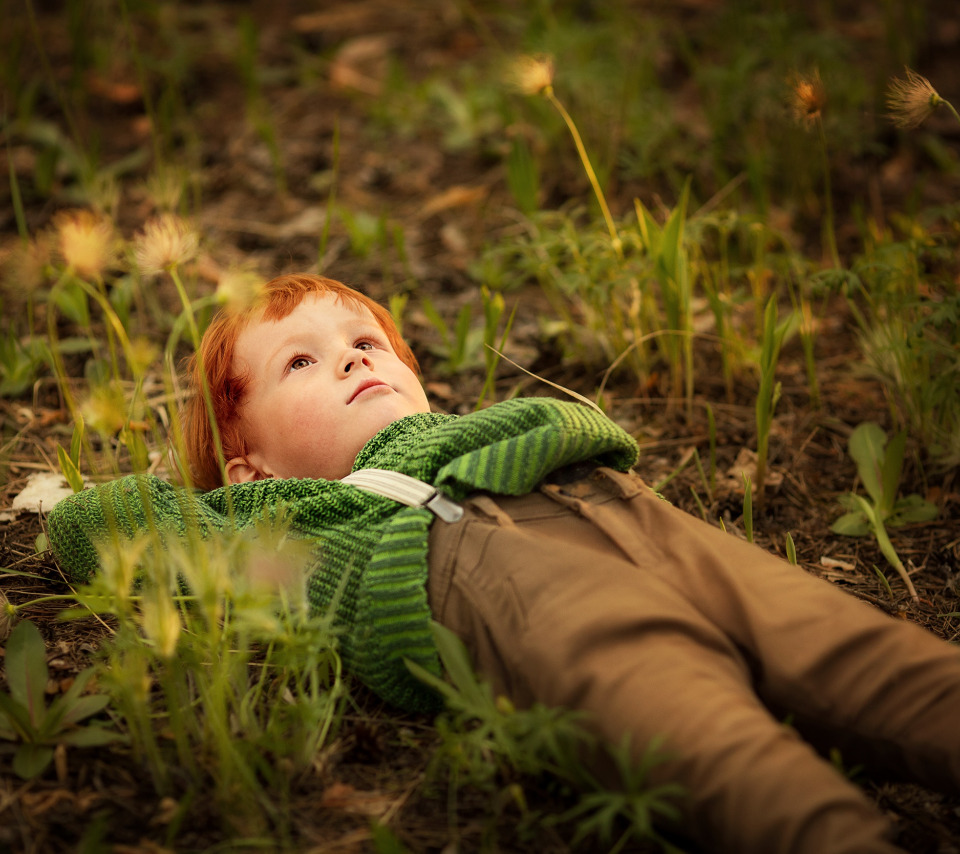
(405, 490)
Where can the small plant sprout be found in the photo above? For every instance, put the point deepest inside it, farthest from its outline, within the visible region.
(25, 717)
(747, 507)
(774, 334)
(912, 100)
(70, 463)
(791, 550)
(879, 465)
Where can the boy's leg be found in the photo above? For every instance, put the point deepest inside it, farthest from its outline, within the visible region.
(885, 691)
(552, 612)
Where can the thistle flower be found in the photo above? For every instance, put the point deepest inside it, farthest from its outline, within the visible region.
(912, 100)
(141, 355)
(86, 242)
(808, 99)
(26, 267)
(166, 241)
(105, 410)
(238, 289)
(165, 186)
(531, 75)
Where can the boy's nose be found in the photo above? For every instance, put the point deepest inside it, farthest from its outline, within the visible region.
(357, 357)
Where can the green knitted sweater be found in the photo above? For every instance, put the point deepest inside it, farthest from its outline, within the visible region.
(372, 552)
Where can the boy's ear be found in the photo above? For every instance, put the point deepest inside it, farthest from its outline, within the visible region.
(240, 471)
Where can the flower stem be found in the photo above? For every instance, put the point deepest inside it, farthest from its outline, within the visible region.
(195, 336)
(582, 151)
(951, 108)
(829, 233)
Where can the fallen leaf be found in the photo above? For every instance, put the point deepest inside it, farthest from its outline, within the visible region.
(746, 464)
(833, 563)
(42, 491)
(455, 197)
(144, 846)
(361, 64)
(343, 796)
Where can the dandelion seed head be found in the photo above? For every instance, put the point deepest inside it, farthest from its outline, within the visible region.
(165, 242)
(86, 242)
(531, 75)
(808, 98)
(911, 100)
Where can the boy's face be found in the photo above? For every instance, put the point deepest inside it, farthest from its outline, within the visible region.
(323, 381)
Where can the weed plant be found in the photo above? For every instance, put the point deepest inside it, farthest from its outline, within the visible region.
(219, 677)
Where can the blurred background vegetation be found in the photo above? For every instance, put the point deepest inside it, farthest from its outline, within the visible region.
(698, 213)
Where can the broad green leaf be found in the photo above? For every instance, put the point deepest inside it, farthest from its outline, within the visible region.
(428, 678)
(913, 508)
(26, 669)
(455, 659)
(16, 719)
(85, 706)
(847, 501)
(851, 525)
(31, 759)
(90, 736)
(890, 471)
(866, 447)
(70, 708)
(79, 683)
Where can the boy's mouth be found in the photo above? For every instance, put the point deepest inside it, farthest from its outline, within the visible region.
(368, 383)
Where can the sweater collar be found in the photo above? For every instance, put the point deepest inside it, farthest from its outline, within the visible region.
(401, 432)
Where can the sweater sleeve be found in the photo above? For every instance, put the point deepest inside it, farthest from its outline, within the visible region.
(121, 510)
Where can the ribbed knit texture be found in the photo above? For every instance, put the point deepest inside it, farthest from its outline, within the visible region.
(372, 565)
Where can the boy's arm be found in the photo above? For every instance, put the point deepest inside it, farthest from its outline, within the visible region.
(121, 510)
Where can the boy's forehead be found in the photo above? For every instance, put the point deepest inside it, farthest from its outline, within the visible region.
(314, 303)
(263, 329)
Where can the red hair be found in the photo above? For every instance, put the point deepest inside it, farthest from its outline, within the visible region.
(214, 362)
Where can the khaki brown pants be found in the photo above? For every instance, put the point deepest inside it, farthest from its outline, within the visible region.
(599, 596)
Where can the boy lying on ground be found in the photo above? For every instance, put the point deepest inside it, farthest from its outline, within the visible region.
(570, 582)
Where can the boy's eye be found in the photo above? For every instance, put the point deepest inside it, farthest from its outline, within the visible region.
(364, 345)
(298, 362)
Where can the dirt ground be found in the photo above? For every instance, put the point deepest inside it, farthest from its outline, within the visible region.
(449, 204)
